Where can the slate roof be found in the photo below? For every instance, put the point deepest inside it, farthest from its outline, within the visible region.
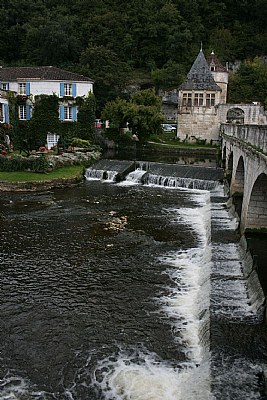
(200, 76)
(213, 60)
(45, 73)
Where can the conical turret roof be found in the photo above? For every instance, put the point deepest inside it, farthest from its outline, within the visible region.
(200, 76)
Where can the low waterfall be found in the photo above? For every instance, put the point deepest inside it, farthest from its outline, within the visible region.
(100, 174)
(151, 173)
(171, 181)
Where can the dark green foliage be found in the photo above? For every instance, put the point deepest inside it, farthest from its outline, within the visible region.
(45, 118)
(86, 117)
(110, 40)
(249, 83)
(18, 163)
(141, 115)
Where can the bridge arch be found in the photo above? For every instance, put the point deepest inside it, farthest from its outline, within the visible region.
(256, 217)
(224, 157)
(235, 115)
(229, 166)
(238, 179)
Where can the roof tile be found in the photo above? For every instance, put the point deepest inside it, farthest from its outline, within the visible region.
(48, 73)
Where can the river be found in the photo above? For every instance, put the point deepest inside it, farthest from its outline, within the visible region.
(126, 291)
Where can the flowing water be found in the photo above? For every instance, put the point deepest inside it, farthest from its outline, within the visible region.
(127, 291)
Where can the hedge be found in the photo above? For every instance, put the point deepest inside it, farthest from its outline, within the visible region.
(19, 163)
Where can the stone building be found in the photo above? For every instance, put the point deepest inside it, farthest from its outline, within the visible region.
(199, 97)
(202, 103)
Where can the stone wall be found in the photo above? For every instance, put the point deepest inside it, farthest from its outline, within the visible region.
(198, 123)
(255, 135)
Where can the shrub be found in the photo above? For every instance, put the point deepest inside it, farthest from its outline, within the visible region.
(19, 163)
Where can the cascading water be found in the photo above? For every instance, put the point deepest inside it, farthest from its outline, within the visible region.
(128, 291)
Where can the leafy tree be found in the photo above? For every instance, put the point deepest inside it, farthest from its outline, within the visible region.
(142, 114)
(110, 74)
(169, 77)
(249, 83)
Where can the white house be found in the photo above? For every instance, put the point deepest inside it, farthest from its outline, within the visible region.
(32, 81)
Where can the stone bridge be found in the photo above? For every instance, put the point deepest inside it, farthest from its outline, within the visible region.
(244, 155)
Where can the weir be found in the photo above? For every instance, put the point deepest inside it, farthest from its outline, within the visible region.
(170, 175)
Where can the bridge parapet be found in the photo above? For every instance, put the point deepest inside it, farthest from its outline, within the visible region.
(254, 135)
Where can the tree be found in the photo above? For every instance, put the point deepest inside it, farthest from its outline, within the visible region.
(169, 77)
(142, 114)
(110, 74)
(249, 83)
(86, 116)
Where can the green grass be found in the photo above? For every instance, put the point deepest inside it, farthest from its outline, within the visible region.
(168, 138)
(71, 171)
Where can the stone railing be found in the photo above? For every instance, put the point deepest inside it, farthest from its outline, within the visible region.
(255, 135)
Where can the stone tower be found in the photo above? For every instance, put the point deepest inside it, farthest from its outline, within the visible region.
(198, 100)
(220, 75)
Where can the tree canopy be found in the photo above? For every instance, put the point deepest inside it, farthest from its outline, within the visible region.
(111, 41)
(141, 114)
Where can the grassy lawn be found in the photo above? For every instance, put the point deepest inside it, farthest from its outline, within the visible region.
(71, 171)
(168, 138)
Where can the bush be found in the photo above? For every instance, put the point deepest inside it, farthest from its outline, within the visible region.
(19, 163)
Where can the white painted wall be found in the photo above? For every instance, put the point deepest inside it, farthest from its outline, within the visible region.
(49, 87)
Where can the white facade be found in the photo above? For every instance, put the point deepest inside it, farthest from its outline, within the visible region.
(29, 82)
(38, 87)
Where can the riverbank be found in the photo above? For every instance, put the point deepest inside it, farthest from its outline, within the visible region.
(182, 149)
(19, 181)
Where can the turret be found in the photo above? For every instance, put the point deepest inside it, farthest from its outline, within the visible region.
(220, 75)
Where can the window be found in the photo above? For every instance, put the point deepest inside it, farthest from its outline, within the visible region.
(67, 113)
(187, 100)
(5, 86)
(210, 99)
(22, 112)
(67, 89)
(22, 88)
(1, 112)
(198, 99)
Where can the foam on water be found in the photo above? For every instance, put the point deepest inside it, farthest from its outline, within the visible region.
(133, 178)
(16, 388)
(144, 377)
(151, 379)
(235, 297)
(98, 174)
(171, 181)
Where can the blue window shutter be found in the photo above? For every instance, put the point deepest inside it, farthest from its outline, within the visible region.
(61, 89)
(74, 113)
(28, 89)
(28, 112)
(61, 113)
(74, 89)
(6, 113)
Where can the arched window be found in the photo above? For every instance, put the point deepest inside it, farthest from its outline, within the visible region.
(235, 116)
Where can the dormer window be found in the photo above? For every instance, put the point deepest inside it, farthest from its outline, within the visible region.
(212, 68)
(4, 86)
